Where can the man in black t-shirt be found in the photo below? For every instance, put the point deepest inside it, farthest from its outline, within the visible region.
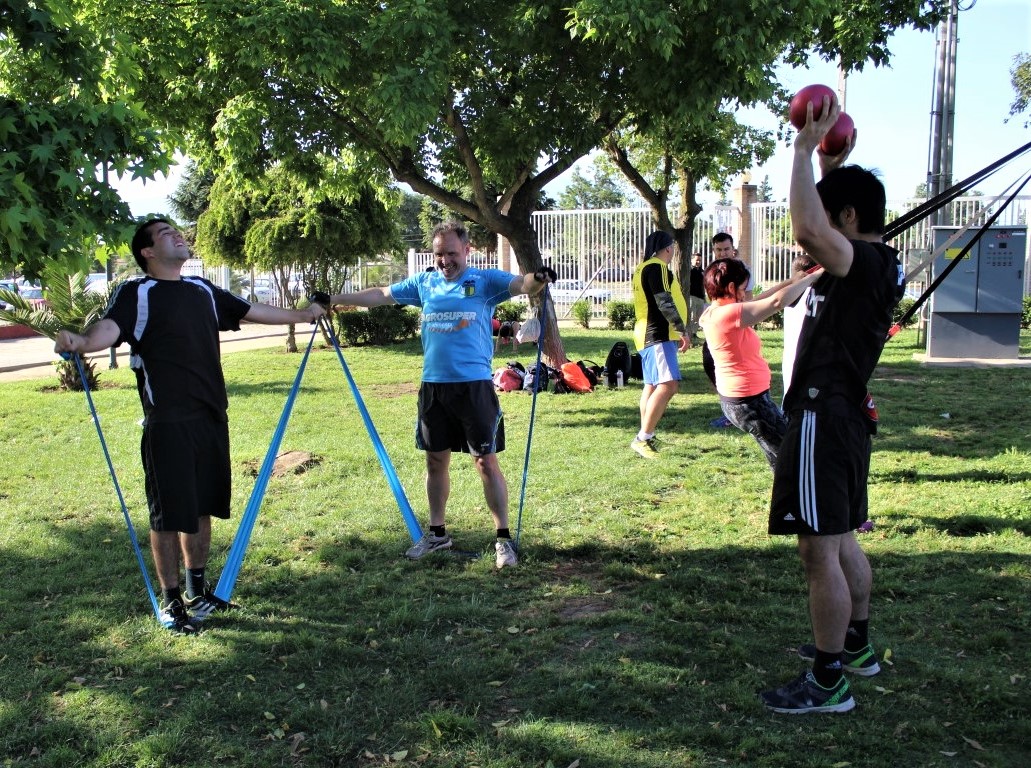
(696, 294)
(171, 324)
(819, 486)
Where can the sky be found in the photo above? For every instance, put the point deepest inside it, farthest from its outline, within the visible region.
(891, 107)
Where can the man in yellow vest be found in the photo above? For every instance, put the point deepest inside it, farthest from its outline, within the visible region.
(659, 333)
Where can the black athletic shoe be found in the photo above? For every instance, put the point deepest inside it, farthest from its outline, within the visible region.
(207, 604)
(175, 618)
(803, 695)
(862, 663)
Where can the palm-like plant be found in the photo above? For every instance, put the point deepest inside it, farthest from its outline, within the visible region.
(69, 307)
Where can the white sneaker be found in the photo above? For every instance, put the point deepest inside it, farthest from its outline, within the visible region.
(427, 544)
(504, 554)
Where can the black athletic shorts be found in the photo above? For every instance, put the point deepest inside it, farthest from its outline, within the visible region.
(819, 483)
(187, 472)
(464, 416)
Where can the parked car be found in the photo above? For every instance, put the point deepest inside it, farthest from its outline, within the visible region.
(33, 294)
(567, 291)
(7, 285)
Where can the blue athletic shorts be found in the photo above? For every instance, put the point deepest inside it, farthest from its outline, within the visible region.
(659, 363)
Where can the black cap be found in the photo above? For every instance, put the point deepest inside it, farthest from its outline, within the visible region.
(656, 241)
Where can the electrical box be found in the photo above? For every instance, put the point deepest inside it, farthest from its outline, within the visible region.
(976, 310)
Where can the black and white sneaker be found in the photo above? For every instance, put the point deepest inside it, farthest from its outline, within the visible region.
(175, 618)
(207, 604)
(803, 695)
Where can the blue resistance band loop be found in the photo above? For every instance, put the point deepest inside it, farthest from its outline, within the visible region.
(381, 453)
(533, 412)
(227, 580)
(118, 488)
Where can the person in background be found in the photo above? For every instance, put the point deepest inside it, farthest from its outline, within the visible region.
(820, 481)
(696, 295)
(659, 332)
(722, 248)
(458, 407)
(171, 324)
(742, 374)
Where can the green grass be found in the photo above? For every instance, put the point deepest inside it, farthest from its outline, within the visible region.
(649, 608)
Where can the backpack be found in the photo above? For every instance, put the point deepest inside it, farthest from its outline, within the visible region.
(618, 360)
(509, 378)
(636, 369)
(574, 376)
(547, 375)
(591, 370)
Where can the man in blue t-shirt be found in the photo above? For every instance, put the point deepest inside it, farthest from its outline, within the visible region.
(458, 407)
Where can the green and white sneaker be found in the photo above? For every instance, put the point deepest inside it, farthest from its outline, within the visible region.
(804, 695)
(862, 663)
(428, 544)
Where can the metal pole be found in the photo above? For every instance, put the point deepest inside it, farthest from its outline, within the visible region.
(938, 97)
(949, 110)
(109, 269)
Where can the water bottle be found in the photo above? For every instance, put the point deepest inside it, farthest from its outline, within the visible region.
(619, 379)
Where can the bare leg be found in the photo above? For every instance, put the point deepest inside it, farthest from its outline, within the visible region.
(438, 484)
(197, 546)
(495, 488)
(858, 575)
(652, 410)
(830, 602)
(164, 546)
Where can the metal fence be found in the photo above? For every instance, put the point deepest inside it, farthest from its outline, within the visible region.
(774, 247)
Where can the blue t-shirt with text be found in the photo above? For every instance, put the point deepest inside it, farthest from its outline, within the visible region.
(457, 338)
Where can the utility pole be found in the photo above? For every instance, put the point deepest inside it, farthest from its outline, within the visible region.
(109, 268)
(943, 109)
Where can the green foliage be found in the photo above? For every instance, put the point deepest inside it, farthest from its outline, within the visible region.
(602, 188)
(69, 307)
(377, 326)
(1020, 78)
(581, 311)
(510, 311)
(1025, 318)
(70, 113)
(281, 222)
(901, 308)
(621, 315)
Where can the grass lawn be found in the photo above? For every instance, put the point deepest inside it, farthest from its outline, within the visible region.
(649, 607)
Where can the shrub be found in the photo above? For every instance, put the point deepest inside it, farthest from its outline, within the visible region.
(1025, 319)
(510, 311)
(582, 312)
(901, 308)
(621, 315)
(378, 325)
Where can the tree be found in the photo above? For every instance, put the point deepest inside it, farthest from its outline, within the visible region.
(192, 194)
(490, 96)
(69, 116)
(603, 188)
(282, 224)
(674, 156)
(1020, 77)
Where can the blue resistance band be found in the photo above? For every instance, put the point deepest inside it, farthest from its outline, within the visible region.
(388, 468)
(227, 580)
(118, 488)
(533, 411)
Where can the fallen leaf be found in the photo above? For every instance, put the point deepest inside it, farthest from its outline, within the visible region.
(949, 754)
(324, 704)
(140, 690)
(499, 723)
(300, 686)
(842, 764)
(79, 680)
(575, 763)
(495, 683)
(251, 678)
(882, 689)
(269, 716)
(973, 743)
(295, 743)
(398, 756)
(513, 630)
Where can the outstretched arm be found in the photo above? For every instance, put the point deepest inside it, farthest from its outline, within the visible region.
(269, 315)
(101, 335)
(532, 283)
(370, 297)
(755, 311)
